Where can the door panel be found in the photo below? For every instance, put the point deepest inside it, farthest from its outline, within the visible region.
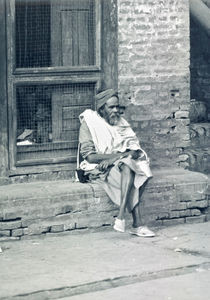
(72, 33)
(66, 107)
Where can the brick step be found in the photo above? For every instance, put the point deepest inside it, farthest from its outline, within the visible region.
(173, 196)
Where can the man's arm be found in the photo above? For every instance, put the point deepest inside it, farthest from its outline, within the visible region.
(89, 153)
(88, 150)
(107, 160)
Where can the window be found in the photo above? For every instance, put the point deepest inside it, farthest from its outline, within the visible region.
(55, 66)
(53, 75)
(55, 33)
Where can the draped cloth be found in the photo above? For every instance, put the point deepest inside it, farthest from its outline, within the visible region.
(107, 139)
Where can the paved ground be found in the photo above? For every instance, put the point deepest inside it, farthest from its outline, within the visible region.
(175, 265)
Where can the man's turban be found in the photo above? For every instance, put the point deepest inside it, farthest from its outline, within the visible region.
(102, 97)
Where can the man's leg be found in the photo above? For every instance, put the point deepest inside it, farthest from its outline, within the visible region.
(136, 212)
(127, 180)
(137, 221)
(138, 228)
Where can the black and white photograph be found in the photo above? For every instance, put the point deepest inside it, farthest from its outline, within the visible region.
(105, 149)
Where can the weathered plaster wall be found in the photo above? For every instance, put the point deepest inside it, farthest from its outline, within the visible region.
(154, 78)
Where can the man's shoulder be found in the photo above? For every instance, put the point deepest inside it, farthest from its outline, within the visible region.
(87, 114)
(84, 132)
(123, 122)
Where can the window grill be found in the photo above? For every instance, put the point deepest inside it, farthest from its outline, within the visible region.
(32, 33)
(53, 33)
(47, 120)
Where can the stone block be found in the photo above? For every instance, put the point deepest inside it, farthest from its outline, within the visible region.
(183, 143)
(183, 157)
(11, 215)
(190, 194)
(36, 229)
(4, 233)
(195, 212)
(174, 214)
(174, 221)
(162, 215)
(9, 238)
(178, 206)
(180, 123)
(10, 225)
(69, 226)
(185, 213)
(17, 232)
(197, 219)
(182, 114)
(183, 164)
(57, 228)
(198, 204)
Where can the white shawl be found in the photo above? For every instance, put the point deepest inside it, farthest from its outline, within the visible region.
(109, 139)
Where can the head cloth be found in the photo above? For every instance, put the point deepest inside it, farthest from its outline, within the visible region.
(102, 97)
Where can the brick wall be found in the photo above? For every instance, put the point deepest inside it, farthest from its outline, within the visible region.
(154, 75)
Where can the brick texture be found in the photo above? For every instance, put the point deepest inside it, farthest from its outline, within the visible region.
(154, 74)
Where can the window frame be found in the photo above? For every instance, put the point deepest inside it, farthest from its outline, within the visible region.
(46, 76)
(10, 7)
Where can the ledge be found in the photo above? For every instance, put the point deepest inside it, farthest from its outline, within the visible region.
(172, 196)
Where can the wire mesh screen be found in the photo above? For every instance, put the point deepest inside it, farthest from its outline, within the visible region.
(55, 33)
(47, 119)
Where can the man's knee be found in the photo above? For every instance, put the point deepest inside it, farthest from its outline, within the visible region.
(126, 171)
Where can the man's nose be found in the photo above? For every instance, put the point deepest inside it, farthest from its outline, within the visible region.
(115, 109)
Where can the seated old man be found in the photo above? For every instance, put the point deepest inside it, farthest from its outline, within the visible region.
(112, 156)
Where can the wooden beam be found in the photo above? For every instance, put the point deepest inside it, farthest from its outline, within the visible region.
(201, 14)
(3, 94)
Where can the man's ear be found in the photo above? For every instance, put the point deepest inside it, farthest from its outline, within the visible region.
(101, 109)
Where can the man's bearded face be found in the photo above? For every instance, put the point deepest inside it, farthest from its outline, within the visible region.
(111, 112)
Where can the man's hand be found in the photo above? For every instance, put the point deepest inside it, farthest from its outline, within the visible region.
(105, 164)
(135, 154)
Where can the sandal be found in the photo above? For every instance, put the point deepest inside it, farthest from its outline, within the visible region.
(142, 231)
(119, 225)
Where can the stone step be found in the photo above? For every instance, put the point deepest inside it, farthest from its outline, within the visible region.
(200, 134)
(199, 159)
(173, 196)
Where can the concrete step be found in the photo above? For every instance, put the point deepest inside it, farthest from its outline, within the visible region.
(173, 196)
